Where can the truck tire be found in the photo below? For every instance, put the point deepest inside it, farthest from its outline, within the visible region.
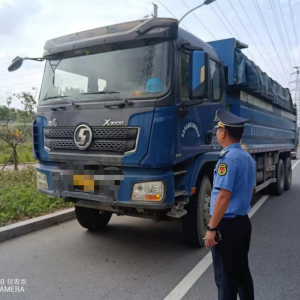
(288, 174)
(277, 187)
(194, 223)
(91, 218)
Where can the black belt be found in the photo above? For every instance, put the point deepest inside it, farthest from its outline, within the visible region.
(236, 217)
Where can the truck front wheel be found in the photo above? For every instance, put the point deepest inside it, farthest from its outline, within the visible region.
(194, 223)
(91, 218)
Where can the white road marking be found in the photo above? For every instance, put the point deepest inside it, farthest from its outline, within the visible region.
(191, 278)
(295, 164)
(258, 205)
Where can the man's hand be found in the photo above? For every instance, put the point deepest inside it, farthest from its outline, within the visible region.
(210, 239)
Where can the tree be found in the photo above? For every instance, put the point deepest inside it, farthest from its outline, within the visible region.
(14, 135)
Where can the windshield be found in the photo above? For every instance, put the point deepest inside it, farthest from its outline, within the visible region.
(129, 73)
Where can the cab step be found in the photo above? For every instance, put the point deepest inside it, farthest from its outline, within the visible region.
(177, 211)
(178, 193)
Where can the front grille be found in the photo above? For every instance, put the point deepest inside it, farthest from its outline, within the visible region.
(60, 133)
(115, 140)
(116, 133)
(62, 145)
(108, 146)
(96, 145)
(110, 133)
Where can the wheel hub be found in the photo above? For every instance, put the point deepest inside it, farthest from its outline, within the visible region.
(206, 210)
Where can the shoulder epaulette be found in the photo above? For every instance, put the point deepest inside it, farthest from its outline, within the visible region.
(223, 153)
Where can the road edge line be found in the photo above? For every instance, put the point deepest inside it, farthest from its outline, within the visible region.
(21, 228)
(295, 164)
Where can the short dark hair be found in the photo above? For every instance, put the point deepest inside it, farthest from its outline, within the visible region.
(235, 132)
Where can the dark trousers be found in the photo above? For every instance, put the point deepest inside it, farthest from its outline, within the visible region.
(230, 259)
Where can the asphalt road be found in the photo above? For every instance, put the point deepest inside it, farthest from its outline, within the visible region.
(138, 259)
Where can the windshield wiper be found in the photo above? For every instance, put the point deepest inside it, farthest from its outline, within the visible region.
(61, 107)
(101, 92)
(120, 104)
(54, 97)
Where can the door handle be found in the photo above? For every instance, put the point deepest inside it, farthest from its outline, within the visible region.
(208, 137)
(182, 110)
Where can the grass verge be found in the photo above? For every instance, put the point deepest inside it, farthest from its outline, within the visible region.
(24, 152)
(20, 199)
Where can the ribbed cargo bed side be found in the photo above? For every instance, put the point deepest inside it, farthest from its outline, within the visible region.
(269, 127)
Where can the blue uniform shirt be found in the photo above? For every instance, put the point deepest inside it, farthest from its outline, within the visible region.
(234, 172)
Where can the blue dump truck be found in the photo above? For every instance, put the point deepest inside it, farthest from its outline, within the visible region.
(126, 115)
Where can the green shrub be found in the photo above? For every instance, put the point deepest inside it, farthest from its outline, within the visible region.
(20, 199)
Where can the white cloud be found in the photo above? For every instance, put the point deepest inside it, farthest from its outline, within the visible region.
(15, 14)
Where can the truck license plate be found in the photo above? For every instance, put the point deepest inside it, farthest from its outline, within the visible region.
(84, 182)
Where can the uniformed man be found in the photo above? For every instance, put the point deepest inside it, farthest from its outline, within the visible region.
(229, 229)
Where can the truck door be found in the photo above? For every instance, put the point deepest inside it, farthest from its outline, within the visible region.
(195, 118)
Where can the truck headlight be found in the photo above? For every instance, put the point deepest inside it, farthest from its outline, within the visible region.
(148, 191)
(42, 181)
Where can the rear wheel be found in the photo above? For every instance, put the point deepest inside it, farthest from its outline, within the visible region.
(91, 218)
(288, 174)
(198, 214)
(277, 187)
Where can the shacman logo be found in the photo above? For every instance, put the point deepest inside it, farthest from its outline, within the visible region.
(83, 137)
(108, 122)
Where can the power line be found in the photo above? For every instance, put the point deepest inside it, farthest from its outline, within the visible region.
(294, 28)
(6, 65)
(286, 31)
(199, 20)
(262, 43)
(8, 78)
(280, 32)
(221, 20)
(19, 90)
(173, 15)
(231, 27)
(7, 59)
(25, 83)
(21, 54)
(249, 35)
(23, 69)
(10, 59)
(267, 29)
(228, 21)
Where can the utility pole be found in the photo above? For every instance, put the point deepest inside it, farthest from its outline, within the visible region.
(155, 13)
(297, 91)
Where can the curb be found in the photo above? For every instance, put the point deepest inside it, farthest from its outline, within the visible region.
(22, 228)
(29, 163)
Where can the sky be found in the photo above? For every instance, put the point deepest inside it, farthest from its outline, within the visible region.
(25, 26)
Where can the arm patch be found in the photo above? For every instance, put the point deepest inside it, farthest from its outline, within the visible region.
(222, 169)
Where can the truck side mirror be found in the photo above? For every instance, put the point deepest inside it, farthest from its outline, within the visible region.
(16, 64)
(199, 75)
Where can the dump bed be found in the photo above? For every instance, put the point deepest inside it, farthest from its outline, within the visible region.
(252, 94)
